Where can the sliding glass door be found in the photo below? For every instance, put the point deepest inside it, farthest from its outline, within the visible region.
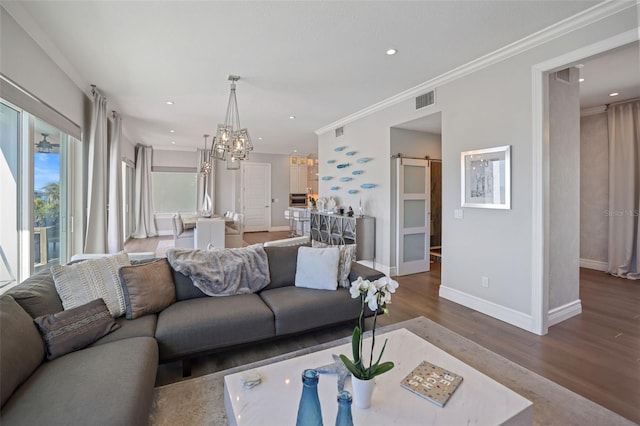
(9, 157)
(50, 191)
(35, 172)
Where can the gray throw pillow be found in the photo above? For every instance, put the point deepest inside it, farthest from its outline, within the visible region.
(148, 288)
(92, 279)
(21, 348)
(75, 328)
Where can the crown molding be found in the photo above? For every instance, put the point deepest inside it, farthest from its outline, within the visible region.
(560, 28)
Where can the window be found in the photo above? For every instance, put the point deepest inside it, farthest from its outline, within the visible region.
(128, 200)
(174, 191)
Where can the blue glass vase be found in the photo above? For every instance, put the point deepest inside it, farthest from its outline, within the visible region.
(309, 412)
(344, 409)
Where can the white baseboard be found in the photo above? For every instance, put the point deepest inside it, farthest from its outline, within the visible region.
(494, 310)
(388, 271)
(561, 313)
(278, 228)
(164, 232)
(594, 264)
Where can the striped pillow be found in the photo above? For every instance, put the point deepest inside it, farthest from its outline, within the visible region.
(82, 282)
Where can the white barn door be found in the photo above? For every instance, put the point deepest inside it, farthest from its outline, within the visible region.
(413, 215)
(256, 196)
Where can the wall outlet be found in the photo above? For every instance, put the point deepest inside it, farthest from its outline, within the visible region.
(485, 282)
(458, 214)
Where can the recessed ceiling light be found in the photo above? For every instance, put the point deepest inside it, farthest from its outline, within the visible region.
(259, 138)
(581, 80)
(172, 131)
(295, 150)
(391, 52)
(169, 102)
(292, 117)
(173, 142)
(614, 94)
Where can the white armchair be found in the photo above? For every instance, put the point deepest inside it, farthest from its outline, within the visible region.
(181, 238)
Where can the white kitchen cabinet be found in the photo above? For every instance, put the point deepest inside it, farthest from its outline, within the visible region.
(298, 179)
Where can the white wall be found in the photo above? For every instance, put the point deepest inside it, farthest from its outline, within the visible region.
(564, 191)
(594, 190)
(490, 107)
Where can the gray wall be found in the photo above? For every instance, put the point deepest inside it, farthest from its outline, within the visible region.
(410, 143)
(279, 185)
(25, 63)
(594, 188)
(174, 158)
(489, 107)
(564, 190)
(228, 193)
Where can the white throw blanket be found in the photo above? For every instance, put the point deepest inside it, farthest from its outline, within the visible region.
(223, 272)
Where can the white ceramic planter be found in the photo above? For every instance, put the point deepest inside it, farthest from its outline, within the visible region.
(362, 391)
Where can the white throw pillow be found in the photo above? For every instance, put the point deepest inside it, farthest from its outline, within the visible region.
(317, 268)
(82, 282)
(347, 255)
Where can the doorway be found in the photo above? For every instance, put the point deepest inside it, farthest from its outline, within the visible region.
(256, 196)
(544, 313)
(418, 140)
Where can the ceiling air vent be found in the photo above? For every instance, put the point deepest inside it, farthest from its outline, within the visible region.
(426, 99)
(564, 75)
(339, 131)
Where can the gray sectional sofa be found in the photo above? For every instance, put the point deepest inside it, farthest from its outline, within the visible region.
(111, 381)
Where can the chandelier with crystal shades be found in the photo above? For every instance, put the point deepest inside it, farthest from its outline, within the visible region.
(232, 143)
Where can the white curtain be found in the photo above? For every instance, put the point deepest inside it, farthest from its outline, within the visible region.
(114, 225)
(96, 234)
(206, 183)
(145, 223)
(624, 189)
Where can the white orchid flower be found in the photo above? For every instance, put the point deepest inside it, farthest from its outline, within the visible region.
(356, 288)
(372, 300)
(392, 285)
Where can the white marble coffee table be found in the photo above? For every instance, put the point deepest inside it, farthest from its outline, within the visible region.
(479, 400)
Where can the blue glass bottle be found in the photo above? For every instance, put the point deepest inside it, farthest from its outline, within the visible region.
(309, 412)
(344, 409)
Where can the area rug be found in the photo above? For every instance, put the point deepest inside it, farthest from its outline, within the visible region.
(162, 247)
(200, 401)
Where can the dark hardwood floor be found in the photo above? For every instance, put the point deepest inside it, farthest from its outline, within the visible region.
(595, 354)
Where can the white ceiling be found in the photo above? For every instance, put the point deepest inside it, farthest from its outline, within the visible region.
(319, 61)
(615, 71)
